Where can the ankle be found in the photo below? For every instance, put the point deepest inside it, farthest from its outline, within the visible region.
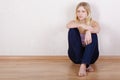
(83, 65)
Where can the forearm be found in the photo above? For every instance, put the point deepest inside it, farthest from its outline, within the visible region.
(93, 30)
(72, 24)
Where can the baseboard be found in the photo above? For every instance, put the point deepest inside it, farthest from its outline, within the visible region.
(48, 57)
(34, 58)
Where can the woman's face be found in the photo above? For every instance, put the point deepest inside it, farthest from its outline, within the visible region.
(81, 13)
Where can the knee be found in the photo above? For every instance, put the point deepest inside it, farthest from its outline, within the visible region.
(73, 31)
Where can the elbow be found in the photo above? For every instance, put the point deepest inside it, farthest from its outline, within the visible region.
(95, 30)
(98, 30)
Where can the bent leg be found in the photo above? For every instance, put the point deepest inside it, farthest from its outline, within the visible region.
(75, 50)
(91, 52)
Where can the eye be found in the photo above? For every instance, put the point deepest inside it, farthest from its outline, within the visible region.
(83, 11)
(78, 11)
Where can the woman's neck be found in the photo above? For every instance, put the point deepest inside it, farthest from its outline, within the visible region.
(82, 21)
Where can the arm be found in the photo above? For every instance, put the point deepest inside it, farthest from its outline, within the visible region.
(73, 24)
(94, 28)
(90, 29)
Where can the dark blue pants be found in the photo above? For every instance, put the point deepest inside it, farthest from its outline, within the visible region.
(79, 54)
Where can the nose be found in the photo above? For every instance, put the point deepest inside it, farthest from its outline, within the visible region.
(80, 13)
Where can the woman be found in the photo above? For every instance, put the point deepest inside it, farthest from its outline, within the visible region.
(82, 39)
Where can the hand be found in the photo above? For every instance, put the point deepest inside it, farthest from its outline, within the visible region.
(88, 38)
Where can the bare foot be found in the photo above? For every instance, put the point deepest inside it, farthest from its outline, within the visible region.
(82, 70)
(90, 69)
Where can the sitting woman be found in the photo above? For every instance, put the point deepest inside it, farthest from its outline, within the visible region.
(82, 39)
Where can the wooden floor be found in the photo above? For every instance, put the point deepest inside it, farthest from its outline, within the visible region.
(56, 68)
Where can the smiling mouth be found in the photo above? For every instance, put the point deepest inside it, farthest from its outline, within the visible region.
(80, 17)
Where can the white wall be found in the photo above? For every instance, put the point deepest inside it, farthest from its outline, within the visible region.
(38, 27)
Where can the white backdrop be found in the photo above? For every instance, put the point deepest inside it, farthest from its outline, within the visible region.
(38, 27)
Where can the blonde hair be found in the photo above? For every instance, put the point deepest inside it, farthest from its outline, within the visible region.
(86, 6)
